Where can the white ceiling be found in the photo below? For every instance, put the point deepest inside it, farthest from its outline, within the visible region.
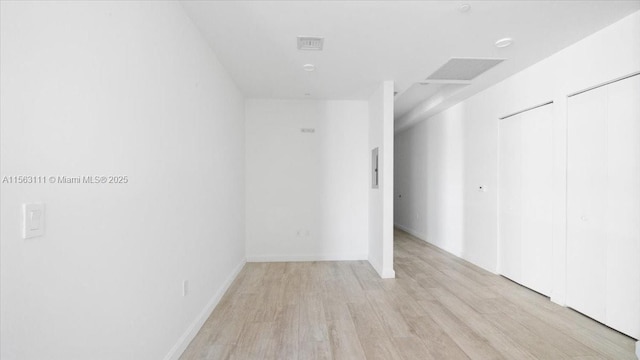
(367, 42)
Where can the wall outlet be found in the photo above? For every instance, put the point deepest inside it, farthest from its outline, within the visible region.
(185, 288)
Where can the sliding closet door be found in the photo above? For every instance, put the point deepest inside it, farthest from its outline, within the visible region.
(525, 190)
(603, 204)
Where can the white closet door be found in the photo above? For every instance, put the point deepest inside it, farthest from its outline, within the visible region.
(525, 194)
(623, 222)
(537, 202)
(603, 204)
(510, 202)
(586, 192)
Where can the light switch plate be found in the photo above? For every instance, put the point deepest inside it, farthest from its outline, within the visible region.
(32, 220)
(185, 287)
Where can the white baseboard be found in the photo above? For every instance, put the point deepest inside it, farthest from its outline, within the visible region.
(385, 273)
(638, 349)
(297, 258)
(448, 250)
(191, 332)
(388, 274)
(411, 231)
(424, 238)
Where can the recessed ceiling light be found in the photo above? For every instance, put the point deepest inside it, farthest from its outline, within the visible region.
(464, 8)
(504, 42)
(309, 67)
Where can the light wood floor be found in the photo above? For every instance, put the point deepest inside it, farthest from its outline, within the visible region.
(439, 307)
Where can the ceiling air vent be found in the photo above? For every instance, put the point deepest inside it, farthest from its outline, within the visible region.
(460, 69)
(310, 42)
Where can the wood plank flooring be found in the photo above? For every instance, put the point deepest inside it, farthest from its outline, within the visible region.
(439, 307)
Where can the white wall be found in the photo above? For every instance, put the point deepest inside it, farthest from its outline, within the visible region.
(429, 178)
(381, 199)
(115, 88)
(306, 193)
(443, 160)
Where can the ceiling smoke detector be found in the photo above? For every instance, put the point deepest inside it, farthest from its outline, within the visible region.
(310, 42)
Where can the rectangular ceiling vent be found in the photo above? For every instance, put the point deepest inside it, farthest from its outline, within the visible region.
(310, 43)
(460, 69)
